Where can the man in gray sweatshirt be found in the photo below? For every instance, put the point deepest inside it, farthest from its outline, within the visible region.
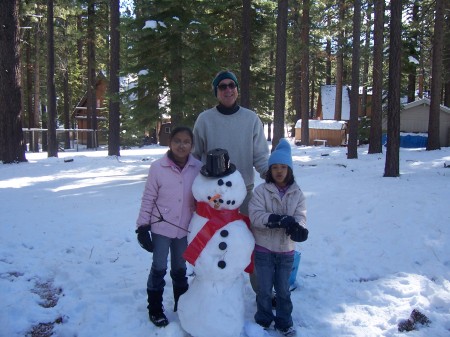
(234, 128)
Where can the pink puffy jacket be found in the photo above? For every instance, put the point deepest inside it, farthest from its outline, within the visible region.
(171, 190)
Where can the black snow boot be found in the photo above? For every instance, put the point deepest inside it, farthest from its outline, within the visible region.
(155, 308)
(177, 292)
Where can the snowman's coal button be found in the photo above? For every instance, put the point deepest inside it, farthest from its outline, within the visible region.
(221, 264)
(222, 245)
(224, 233)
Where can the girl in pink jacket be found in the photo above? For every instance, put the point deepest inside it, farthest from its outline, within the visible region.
(166, 210)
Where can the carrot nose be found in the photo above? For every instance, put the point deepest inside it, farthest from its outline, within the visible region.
(214, 197)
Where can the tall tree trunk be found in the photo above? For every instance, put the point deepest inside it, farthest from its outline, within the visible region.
(328, 53)
(446, 59)
(12, 146)
(413, 53)
(305, 73)
(280, 73)
(365, 72)
(392, 167)
(375, 138)
(52, 149)
(339, 63)
(272, 66)
(114, 104)
(328, 62)
(352, 146)
(65, 78)
(296, 69)
(66, 107)
(29, 75)
(91, 91)
(29, 85)
(436, 79)
(37, 89)
(313, 91)
(244, 85)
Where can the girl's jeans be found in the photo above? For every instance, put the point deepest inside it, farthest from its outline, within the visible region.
(273, 271)
(161, 246)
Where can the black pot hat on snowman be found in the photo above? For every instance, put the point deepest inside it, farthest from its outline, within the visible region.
(217, 164)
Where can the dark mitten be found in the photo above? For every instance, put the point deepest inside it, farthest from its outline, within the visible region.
(145, 240)
(297, 232)
(286, 221)
(274, 221)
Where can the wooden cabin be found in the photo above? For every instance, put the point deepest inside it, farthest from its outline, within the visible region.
(328, 133)
(81, 118)
(164, 133)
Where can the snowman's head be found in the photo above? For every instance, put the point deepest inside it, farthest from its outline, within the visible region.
(227, 192)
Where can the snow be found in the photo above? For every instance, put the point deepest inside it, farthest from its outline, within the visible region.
(152, 24)
(325, 125)
(378, 247)
(328, 97)
(412, 59)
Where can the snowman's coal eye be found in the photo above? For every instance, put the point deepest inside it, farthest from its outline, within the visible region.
(229, 183)
(220, 182)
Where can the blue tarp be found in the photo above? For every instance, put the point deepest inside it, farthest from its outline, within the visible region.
(409, 141)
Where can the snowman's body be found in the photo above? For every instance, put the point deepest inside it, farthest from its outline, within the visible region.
(216, 292)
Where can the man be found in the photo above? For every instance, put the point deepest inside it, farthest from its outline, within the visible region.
(234, 128)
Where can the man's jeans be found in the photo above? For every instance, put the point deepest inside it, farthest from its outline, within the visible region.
(273, 271)
(161, 246)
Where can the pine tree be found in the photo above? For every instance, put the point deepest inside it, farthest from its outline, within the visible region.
(12, 148)
(52, 149)
(436, 79)
(354, 94)
(114, 104)
(392, 165)
(280, 73)
(375, 137)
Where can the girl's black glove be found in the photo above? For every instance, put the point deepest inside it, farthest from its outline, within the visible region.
(280, 221)
(297, 232)
(145, 240)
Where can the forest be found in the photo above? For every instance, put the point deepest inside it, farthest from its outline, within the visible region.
(158, 58)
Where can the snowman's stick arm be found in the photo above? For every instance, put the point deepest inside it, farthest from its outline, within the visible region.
(159, 218)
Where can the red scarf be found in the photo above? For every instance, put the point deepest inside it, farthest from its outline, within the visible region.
(217, 219)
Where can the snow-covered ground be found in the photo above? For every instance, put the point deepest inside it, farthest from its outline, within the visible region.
(378, 247)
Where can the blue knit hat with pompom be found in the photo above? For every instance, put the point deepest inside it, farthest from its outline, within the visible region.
(282, 154)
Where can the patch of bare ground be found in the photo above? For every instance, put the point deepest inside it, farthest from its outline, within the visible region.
(49, 297)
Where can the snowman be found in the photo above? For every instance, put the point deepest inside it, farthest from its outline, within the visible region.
(220, 247)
